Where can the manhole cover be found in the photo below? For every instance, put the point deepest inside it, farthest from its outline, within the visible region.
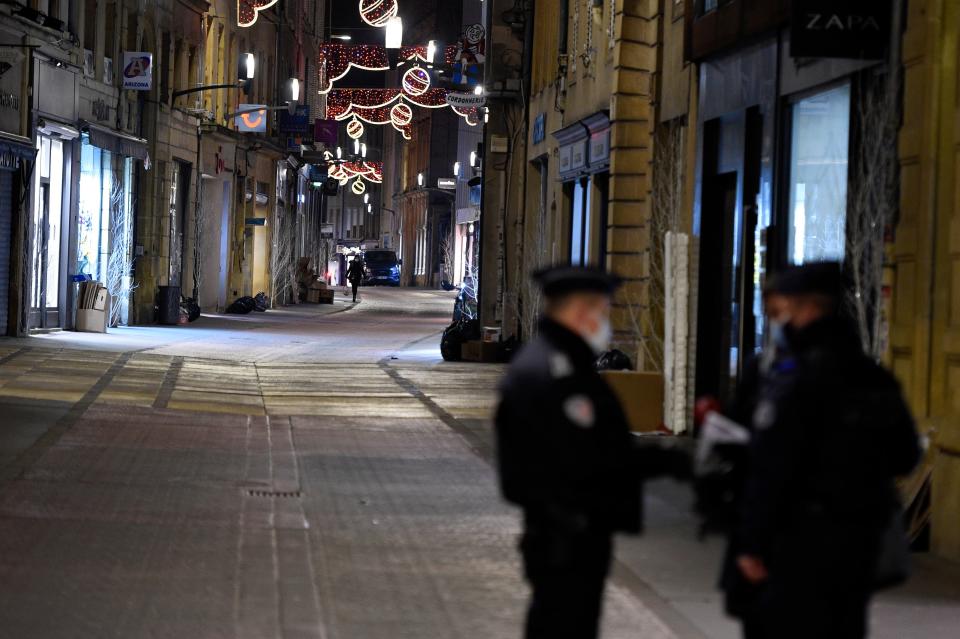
(292, 494)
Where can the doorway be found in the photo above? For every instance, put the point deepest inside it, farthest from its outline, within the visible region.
(715, 311)
(729, 317)
(179, 190)
(46, 237)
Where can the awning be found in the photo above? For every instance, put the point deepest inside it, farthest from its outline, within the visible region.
(13, 149)
(116, 142)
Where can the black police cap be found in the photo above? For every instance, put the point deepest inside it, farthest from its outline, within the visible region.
(556, 281)
(813, 278)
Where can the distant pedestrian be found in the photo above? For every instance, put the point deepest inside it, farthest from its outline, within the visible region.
(566, 455)
(355, 275)
(830, 432)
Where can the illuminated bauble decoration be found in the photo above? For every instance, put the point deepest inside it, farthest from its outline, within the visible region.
(355, 129)
(416, 81)
(401, 115)
(358, 187)
(343, 181)
(377, 13)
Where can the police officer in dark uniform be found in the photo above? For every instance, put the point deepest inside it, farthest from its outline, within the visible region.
(566, 455)
(831, 431)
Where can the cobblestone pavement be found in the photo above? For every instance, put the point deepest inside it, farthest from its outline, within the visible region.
(323, 477)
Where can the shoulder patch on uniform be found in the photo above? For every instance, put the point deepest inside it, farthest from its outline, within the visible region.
(764, 415)
(560, 366)
(579, 410)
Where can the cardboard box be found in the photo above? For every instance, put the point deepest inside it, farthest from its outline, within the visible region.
(480, 351)
(641, 395)
(319, 296)
(91, 321)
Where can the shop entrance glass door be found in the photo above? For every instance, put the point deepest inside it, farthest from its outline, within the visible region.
(46, 236)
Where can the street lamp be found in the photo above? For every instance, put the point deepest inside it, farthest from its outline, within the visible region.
(473, 159)
(249, 66)
(456, 168)
(339, 153)
(245, 70)
(292, 94)
(431, 51)
(420, 180)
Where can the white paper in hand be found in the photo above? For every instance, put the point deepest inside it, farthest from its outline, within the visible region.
(717, 430)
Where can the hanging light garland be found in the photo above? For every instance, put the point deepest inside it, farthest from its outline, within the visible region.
(377, 13)
(334, 60)
(416, 81)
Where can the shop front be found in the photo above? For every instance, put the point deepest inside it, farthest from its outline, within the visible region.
(105, 213)
(215, 210)
(775, 142)
(16, 155)
(584, 165)
(53, 192)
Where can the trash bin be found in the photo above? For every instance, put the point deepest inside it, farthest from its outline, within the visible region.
(169, 304)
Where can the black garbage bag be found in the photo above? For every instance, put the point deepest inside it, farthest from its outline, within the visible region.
(242, 305)
(446, 285)
(190, 308)
(262, 302)
(614, 360)
(455, 335)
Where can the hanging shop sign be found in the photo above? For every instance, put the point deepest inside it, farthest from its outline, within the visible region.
(137, 70)
(447, 184)
(296, 122)
(250, 120)
(466, 100)
(840, 29)
(325, 132)
(540, 128)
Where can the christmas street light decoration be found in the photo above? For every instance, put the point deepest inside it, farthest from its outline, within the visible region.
(355, 129)
(359, 187)
(377, 13)
(416, 81)
(249, 10)
(401, 115)
(335, 59)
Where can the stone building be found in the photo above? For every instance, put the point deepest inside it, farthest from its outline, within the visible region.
(576, 165)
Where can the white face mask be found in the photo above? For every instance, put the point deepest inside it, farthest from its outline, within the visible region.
(778, 336)
(599, 341)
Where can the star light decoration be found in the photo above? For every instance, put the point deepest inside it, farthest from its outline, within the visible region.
(249, 10)
(377, 13)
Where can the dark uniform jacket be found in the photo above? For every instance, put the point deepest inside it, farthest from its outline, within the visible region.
(565, 451)
(831, 432)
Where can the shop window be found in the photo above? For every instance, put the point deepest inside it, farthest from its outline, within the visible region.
(820, 126)
(580, 221)
(105, 222)
(90, 25)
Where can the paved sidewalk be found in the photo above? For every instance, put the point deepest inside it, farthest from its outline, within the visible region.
(325, 476)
